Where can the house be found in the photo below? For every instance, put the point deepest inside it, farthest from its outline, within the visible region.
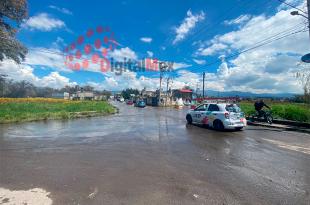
(185, 94)
(148, 93)
(83, 96)
(63, 95)
(100, 97)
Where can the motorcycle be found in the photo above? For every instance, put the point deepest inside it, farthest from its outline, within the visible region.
(266, 117)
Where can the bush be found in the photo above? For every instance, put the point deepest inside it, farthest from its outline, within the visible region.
(289, 111)
(29, 109)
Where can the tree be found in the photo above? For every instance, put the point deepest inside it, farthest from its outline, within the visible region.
(11, 11)
(304, 78)
(2, 84)
(187, 88)
(88, 88)
(126, 93)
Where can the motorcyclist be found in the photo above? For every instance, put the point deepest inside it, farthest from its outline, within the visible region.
(259, 107)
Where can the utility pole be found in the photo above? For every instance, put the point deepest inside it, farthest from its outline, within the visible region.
(168, 79)
(170, 93)
(308, 8)
(203, 84)
(197, 84)
(160, 80)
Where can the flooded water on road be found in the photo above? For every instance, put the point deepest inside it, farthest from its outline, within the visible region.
(150, 155)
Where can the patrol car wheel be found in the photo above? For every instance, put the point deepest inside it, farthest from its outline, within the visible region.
(218, 125)
(189, 119)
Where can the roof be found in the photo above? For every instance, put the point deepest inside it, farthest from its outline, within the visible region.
(186, 91)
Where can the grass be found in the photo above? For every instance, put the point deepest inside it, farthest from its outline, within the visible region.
(32, 109)
(289, 111)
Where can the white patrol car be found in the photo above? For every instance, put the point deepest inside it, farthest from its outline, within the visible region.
(220, 116)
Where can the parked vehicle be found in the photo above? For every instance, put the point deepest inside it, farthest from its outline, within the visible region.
(129, 102)
(219, 116)
(140, 103)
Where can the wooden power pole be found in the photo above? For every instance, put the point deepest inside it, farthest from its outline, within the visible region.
(168, 79)
(308, 8)
(160, 80)
(203, 84)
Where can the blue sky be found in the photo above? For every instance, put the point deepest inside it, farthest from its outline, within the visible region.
(191, 34)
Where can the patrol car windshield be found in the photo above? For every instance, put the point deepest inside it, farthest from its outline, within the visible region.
(233, 108)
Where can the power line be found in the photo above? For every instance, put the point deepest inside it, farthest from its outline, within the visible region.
(203, 29)
(220, 20)
(290, 5)
(228, 11)
(268, 27)
(256, 45)
(251, 48)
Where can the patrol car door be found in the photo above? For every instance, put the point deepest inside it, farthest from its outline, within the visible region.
(199, 113)
(213, 111)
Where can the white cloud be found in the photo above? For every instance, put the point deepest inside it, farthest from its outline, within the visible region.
(59, 43)
(126, 80)
(297, 3)
(212, 49)
(185, 78)
(55, 80)
(146, 39)
(180, 65)
(267, 69)
(150, 54)
(43, 22)
(239, 20)
(25, 72)
(62, 10)
(187, 25)
(199, 62)
(223, 70)
(120, 54)
(46, 57)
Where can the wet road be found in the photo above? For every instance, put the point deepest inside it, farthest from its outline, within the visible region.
(151, 156)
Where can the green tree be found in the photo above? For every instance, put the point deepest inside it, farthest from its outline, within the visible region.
(12, 13)
(126, 93)
(304, 78)
(2, 84)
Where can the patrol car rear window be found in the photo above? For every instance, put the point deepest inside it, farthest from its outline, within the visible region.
(213, 108)
(233, 108)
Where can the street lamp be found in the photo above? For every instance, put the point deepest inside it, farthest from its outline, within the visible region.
(304, 58)
(296, 13)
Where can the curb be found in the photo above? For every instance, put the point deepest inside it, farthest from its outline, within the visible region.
(283, 127)
(290, 123)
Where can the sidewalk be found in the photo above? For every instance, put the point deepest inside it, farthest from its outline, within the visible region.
(280, 126)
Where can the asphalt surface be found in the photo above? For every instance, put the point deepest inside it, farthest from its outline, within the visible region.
(151, 156)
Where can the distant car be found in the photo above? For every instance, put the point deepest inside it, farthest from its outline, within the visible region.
(140, 103)
(220, 116)
(121, 99)
(129, 102)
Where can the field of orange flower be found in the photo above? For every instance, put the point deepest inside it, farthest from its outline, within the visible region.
(31, 109)
(41, 100)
